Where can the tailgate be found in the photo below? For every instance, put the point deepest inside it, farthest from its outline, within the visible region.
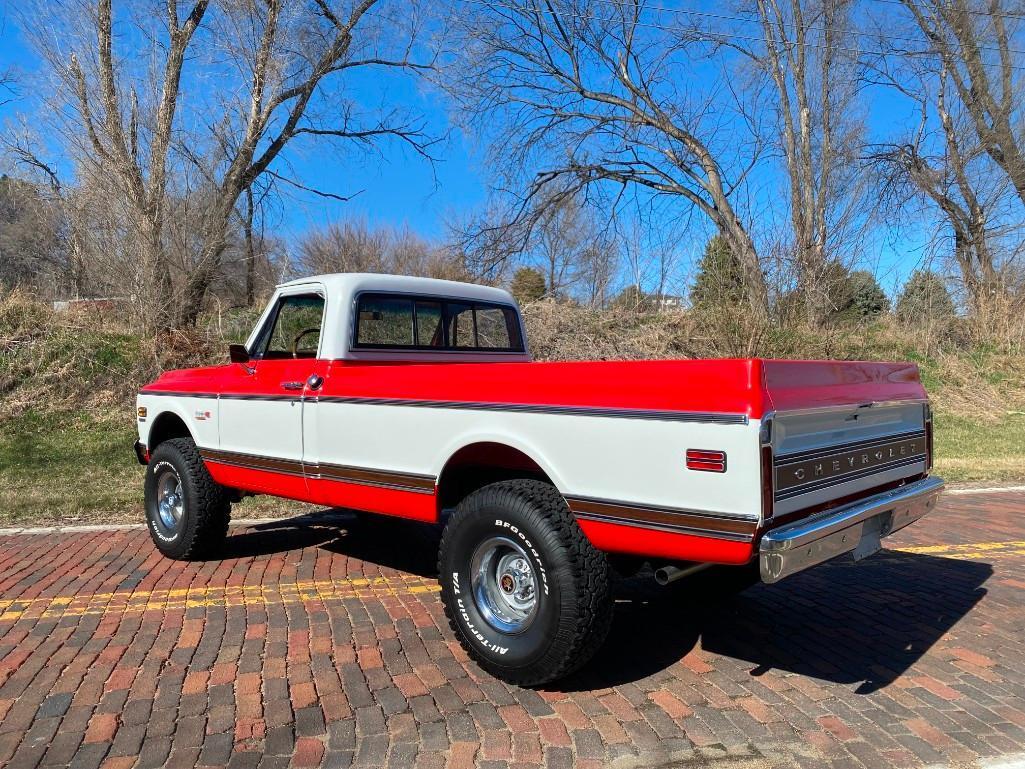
(842, 428)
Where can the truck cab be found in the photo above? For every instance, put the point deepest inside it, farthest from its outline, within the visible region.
(418, 398)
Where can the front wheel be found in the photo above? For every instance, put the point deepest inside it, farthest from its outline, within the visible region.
(187, 512)
(524, 590)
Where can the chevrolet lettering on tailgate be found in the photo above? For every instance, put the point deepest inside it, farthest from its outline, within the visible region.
(798, 473)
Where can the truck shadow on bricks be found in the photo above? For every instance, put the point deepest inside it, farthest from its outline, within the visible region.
(842, 622)
(847, 623)
(408, 546)
(281, 535)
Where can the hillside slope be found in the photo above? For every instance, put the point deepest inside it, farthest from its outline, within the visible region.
(67, 384)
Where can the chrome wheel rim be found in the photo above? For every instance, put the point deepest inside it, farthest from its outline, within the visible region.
(170, 502)
(504, 585)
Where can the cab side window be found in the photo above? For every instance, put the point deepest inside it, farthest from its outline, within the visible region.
(430, 324)
(495, 329)
(426, 323)
(295, 329)
(464, 335)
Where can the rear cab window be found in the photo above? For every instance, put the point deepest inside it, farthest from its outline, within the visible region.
(398, 322)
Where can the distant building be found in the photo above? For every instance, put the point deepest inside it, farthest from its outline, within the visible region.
(669, 302)
(99, 304)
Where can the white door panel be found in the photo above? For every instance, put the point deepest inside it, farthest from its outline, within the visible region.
(269, 428)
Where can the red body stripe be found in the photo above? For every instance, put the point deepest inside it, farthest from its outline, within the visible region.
(374, 499)
(259, 481)
(746, 386)
(402, 504)
(422, 507)
(615, 538)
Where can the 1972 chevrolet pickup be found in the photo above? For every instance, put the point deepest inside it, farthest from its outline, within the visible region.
(417, 398)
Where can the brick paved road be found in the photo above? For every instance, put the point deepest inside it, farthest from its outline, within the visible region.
(325, 644)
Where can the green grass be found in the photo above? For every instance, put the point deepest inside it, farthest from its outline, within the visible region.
(72, 468)
(76, 468)
(970, 451)
(68, 468)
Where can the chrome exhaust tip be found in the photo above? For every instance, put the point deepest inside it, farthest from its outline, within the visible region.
(666, 574)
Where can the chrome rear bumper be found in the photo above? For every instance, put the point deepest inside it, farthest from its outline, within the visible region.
(857, 526)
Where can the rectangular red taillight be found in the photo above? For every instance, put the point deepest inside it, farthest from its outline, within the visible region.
(709, 461)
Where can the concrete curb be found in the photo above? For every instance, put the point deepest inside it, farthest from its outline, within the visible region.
(986, 490)
(340, 516)
(326, 517)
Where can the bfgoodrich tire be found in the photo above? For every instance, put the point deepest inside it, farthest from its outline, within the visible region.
(187, 512)
(525, 592)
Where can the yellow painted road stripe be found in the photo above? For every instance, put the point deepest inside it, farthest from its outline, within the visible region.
(969, 550)
(122, 602)
(128, 601)
(193, 592)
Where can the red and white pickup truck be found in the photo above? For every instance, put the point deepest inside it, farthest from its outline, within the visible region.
(418, 398)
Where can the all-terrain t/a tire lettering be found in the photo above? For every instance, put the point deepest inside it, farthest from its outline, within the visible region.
(187, 512)
(517, 539)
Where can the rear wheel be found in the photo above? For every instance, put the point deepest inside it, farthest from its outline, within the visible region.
(187, 512)
(524, 590)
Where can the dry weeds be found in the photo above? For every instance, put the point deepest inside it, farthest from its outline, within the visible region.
(97, 360)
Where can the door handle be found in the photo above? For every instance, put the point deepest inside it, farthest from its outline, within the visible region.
(292, 385)
(315, 381)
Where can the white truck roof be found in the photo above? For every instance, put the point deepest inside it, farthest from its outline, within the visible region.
(341, 288)
(352, 283)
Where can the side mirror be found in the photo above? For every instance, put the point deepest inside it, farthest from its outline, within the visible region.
(238, 353)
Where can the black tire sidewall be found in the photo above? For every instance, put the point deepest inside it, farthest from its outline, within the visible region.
(167, 456)
(503, 651)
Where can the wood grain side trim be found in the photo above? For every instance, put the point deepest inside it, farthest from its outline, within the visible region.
(422, 484)
(387, 478)
(539, 408)
(719, 525)
(253, 461)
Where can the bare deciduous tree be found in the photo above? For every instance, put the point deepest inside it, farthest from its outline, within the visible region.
(354, 246)
(943, 162)
(223, 89)
(6, 86)
(978, 54)
(343, 247)
(30, 246)
(595, 96)
(804, 53)
(598, 263)
(950, 178)
(569, 249)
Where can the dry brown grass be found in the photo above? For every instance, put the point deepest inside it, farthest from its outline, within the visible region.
(68, 380)
(979, 380)
(97, 361)
(92, 360)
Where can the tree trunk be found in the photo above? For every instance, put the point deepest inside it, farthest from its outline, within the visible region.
(743, 247)
(215, 240)
(250, 250)
(158, 291)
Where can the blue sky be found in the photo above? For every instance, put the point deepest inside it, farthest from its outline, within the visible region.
(399, 188)
(396, 185)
